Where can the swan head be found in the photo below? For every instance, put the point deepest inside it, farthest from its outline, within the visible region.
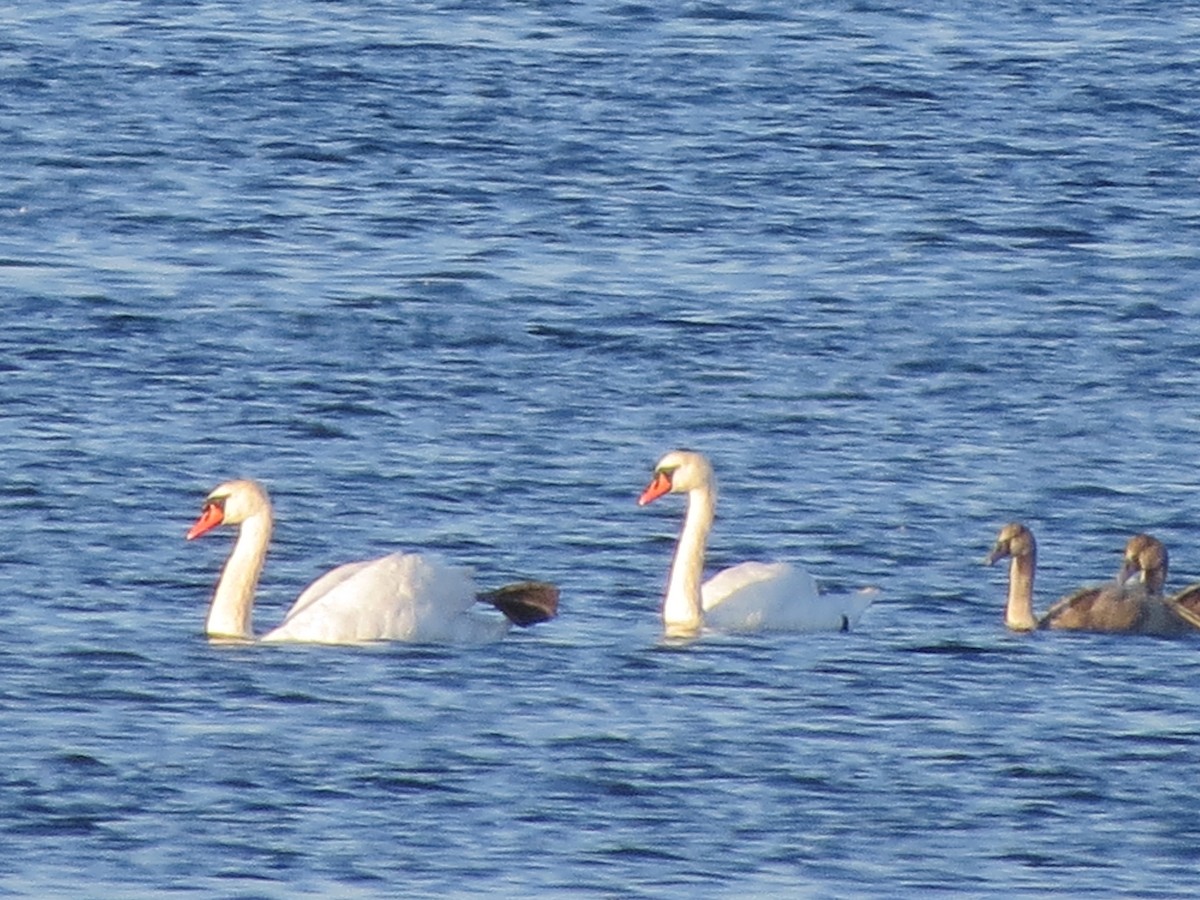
(678, 472)
(1015, 541)
(231, 503)
(1145, 555)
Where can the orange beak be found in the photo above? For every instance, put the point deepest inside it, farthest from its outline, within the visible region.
(210, 517)
(656, 488)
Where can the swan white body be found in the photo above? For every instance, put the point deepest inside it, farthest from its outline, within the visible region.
(751, 596)
(400, 597)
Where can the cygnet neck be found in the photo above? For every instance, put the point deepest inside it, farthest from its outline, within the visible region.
(1018, 614)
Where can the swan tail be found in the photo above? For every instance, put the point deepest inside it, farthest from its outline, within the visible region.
(524, 603)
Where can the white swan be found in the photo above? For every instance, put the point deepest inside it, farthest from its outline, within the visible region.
(402, 596)
(750, 596)
(1118, 607)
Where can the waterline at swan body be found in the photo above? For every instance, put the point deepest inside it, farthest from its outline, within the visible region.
(751, 596)
(398, 597)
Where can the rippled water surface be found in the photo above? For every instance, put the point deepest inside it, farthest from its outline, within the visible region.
(452, 276)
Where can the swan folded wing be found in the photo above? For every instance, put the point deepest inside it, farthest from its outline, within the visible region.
(1188, 616)
(326, 583)
(755, 596)
(1096, 608)
(1186, 604)
(402, 596)
(1116, 608)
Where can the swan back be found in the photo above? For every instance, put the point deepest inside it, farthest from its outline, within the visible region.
(758, 596)
(1107, 607)
(402, 596)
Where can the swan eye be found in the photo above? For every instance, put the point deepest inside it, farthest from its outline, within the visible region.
(667, 472)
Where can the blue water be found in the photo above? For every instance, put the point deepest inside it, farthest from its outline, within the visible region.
(452, 276)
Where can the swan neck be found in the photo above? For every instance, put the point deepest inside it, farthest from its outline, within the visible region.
(683, 611)
(232, 607)
(1019, 613)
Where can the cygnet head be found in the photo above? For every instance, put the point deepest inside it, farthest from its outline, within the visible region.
(1146, 555)
(1014, 540)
